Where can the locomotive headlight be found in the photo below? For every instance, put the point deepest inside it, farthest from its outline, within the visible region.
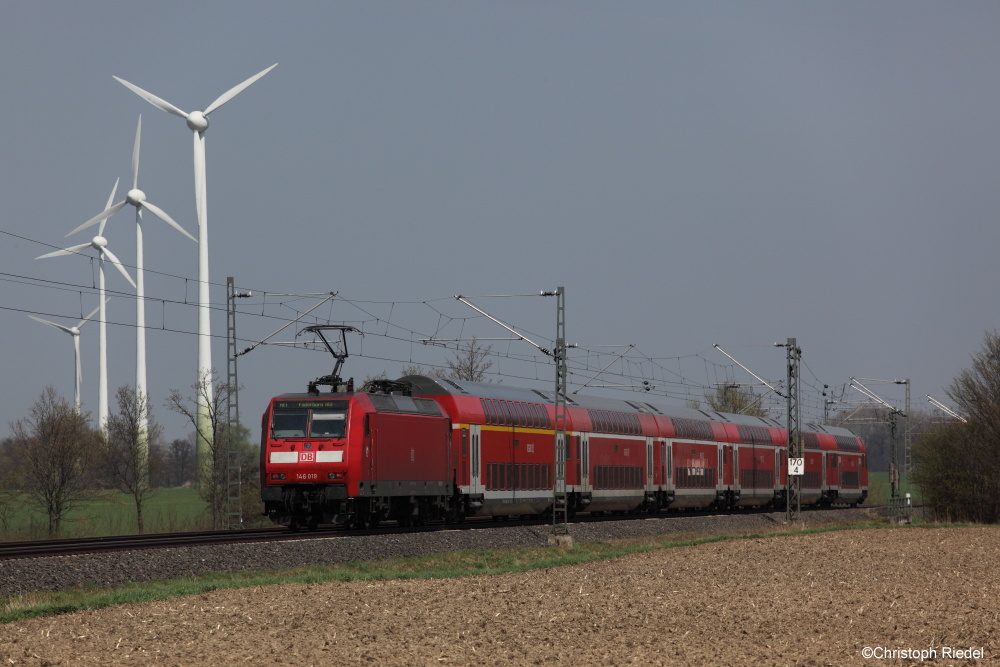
(335, 475)
(277, 475)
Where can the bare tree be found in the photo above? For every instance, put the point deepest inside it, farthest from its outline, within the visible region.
(126, 449)
(417, 369)
(211, 472)
(372, 379)
(8, 490)
(55, 450)
(178, 462)
(976, 390)
(958, 467)
(471, 361)
(735, 399)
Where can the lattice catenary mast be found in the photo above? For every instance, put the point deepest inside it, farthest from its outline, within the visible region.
(793, 509)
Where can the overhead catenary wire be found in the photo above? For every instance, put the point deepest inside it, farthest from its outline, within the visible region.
(399, 327)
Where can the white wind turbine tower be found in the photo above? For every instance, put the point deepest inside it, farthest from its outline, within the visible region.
(100, 244)
(197, 122)
(75, 333)
(137, 198)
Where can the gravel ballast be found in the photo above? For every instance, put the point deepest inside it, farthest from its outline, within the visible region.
(116, 568)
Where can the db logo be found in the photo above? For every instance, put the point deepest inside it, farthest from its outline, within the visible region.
(307, 457)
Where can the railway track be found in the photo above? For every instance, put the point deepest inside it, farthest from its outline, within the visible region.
(85, 545)
(89, 545)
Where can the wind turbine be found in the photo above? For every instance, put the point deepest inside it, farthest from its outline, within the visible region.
(137, 198)
(197, 122)
(100, 244)
(75, 333)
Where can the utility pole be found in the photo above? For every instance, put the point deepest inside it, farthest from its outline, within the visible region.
(907, 433)
(893, 413)
(234, 472)
(560, 497)
(560, 500)
(795, 465)
(793, 494)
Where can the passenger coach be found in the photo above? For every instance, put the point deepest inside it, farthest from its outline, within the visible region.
(431, 448)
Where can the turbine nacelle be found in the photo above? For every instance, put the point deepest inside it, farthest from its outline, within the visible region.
(135, 196)
(197, 121)
(99, 243)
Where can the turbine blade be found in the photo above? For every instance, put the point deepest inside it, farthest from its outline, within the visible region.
(162, 215)
(52, 324)
(92, 313)
(100, 217)
(236, 90)
(118, 265)
(114, 190)
(65, 251)
(151, 98)
(135, 154)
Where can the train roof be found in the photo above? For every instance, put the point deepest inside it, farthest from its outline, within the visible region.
(428, 386)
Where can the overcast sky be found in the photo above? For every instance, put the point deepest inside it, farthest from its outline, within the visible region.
(693, 173)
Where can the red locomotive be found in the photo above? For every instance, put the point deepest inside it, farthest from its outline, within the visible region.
(421, 449)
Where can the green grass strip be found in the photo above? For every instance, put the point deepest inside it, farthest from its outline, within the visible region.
(437, 566)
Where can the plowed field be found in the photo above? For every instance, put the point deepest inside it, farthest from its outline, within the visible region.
(822, 599)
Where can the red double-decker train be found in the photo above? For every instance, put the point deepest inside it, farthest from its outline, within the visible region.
(421, 449)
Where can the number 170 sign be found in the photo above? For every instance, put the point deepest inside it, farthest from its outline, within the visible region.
(796, 466)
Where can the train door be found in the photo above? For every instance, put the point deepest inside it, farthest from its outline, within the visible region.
(585, 462)
(649, 464)
(737, 479)
(722, 458)
(475, 458)
(562, 444)
(777, 469)
(369, 451)
(670, 463)
(664, 463)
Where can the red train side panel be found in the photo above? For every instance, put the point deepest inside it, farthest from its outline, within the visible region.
(454, 449)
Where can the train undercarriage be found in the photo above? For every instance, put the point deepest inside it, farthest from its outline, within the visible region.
(302, 506)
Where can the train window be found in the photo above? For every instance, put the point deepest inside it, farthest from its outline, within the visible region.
(504, 411)
(488, 411)
(518, 410)
(289, 423)
(328, 424)
(538, 417)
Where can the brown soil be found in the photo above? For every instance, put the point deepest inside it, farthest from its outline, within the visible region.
(801, 600)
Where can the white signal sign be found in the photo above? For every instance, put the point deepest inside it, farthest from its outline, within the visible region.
(796, 466)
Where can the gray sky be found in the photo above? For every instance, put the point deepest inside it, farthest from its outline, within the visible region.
(693, 173)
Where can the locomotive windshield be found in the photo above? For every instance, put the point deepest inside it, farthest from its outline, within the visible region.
(328, 423)
(309, 419)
